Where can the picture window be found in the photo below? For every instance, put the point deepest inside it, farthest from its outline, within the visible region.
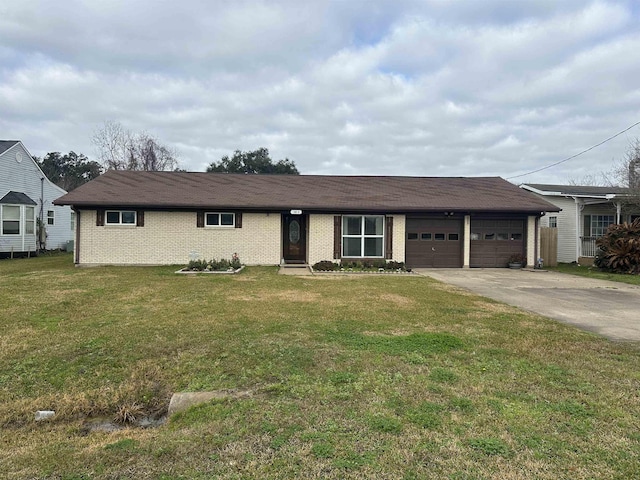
(363, 236)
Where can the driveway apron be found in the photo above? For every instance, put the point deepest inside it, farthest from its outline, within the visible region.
(610, 309)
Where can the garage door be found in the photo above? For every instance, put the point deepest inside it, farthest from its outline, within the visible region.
(493, 241)
(433, 242)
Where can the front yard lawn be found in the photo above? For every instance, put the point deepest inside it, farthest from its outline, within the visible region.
(594, 272)
(349, 377)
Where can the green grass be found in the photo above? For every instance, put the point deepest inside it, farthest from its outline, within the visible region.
(594, 272)
(365, 377)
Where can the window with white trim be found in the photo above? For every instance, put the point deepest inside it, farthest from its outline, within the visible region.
(553, 222)
(120, 217)
(600, 224)
(73, 221)
(363, 236)
(51, 217)
(10, 219)
(29, 220)
(219, 219)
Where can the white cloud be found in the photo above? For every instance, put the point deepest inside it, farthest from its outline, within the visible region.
(395, 87)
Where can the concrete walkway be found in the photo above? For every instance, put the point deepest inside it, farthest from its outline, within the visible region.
(610, 309)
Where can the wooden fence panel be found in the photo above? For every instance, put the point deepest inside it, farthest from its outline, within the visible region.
(549, 246)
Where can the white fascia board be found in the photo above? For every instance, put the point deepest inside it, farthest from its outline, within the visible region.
(546, 193)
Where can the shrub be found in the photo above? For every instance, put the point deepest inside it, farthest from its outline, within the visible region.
(215, 265)
(619, 249)
(517, 258)
(325, 266)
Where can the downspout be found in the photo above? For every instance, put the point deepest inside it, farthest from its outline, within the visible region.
(618, 211)
(40, 246)
(579, 207)
(76, 245)
(537, 242)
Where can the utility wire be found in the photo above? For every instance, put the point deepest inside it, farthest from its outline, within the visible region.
(577, 154)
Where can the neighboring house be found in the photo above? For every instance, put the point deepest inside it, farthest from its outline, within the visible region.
(126, 217)
(586, 214)
(26, 197)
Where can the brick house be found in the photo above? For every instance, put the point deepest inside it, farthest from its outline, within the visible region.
(138, 218)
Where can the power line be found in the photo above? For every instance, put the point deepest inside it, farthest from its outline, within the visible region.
(577, 154)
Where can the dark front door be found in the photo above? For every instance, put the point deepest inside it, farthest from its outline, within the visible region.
(294, 241)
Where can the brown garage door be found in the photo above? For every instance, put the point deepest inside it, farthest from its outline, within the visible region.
(493, 241)
(433, 242)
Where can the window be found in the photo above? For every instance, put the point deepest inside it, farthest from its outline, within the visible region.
(412, 236)
(503, 236)
(425, 236)
(475, 236)
(220, 219)
(51, 217)
(30, 220)
(489, 236)
(439, 237)
(121, 217)
(73, 221)
(363, 236)
(553, 222)
(11, 220)
(516, 236)
(453, 237)
(600, 223)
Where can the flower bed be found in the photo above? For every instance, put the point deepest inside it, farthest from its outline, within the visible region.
(360, 267)
(214, 266)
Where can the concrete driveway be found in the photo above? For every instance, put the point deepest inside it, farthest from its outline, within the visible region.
(611, 309)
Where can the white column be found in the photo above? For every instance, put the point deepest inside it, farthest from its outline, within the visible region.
(467, 242)
(531, 241)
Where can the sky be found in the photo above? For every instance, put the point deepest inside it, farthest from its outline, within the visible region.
(349, 87)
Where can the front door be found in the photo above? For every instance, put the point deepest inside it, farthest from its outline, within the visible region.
(294, 241)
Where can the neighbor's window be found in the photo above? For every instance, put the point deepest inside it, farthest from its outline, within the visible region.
(363, 236)
(30, 220)
(220, 219)
(51, 217)
(553, 222)
(73, 221)
(600, 223)
(11, 220)
(121, 217)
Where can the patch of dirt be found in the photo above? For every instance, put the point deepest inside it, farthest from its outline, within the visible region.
(487, 309)
(286, 295)
(399, 300)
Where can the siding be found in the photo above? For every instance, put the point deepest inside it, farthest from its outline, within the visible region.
(566, 227)
(25, 177)
(171, 237)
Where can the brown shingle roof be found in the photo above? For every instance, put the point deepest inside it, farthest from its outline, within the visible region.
(306, 192)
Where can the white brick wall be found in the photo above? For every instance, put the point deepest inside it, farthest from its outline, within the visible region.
(320, 237)
(169, 237)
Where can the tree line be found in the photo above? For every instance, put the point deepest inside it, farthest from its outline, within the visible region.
(121, 149)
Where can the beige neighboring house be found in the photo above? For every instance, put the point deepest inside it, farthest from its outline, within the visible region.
(586, 213)
(137, 218)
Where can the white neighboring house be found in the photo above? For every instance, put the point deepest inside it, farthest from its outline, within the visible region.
(586, 214)
(26, 196)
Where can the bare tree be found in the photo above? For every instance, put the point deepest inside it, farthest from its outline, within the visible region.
(120, 149)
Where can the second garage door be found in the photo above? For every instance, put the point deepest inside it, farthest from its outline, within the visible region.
(493, 241)
(433, 242)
